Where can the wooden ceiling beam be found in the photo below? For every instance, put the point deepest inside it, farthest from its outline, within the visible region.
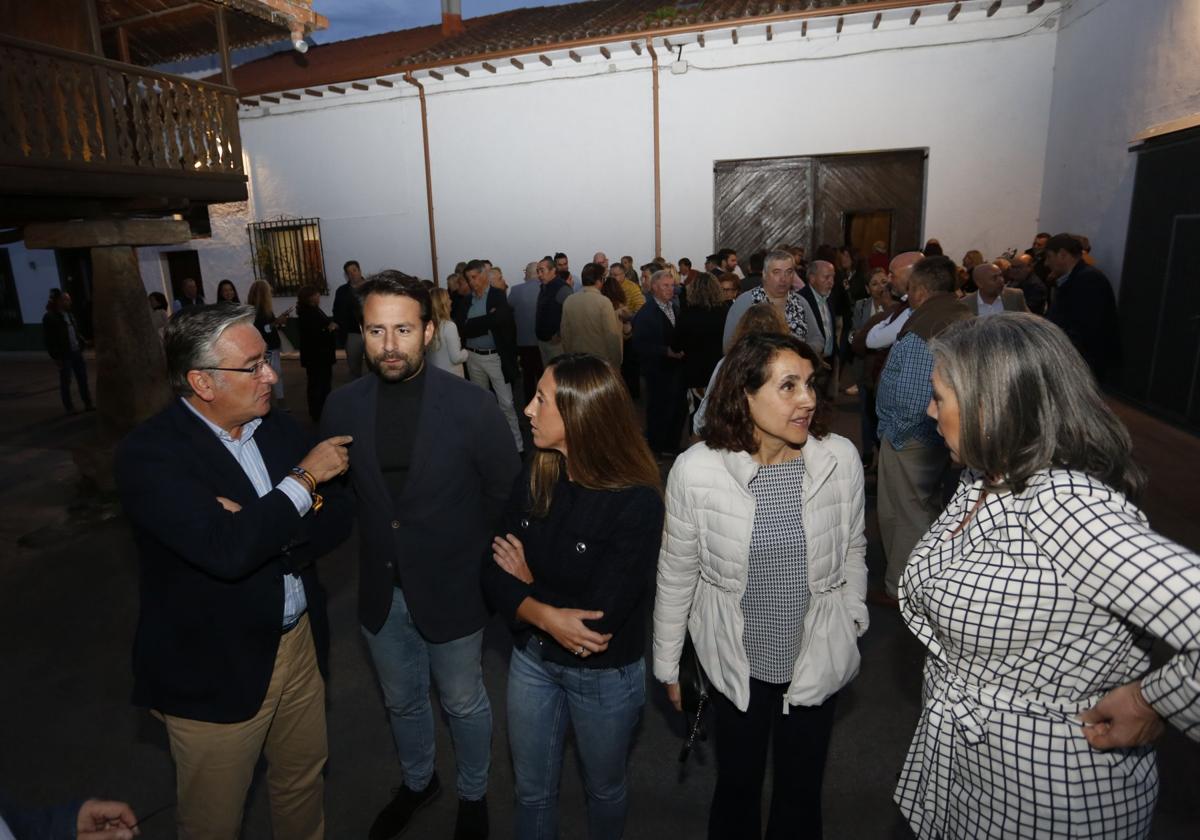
(606, 52)
(878, 20)
(1034, 5)
(733, 34)
(336, 88)
(841, 22)
(491, 68)
(274, 100)
(914, 17)
(287, 94)
(433, 74)
(700, 40)
(954, 10)
(636, 47)
(770, 33)
(804, 29)
(517, 64)
(992, 9)
(360, 86)
(312, 92)
(151, 15)
(545, 59)
(575, 56)
(463, 71)
(384, 83)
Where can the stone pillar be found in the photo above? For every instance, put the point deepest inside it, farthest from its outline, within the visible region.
(131, 371)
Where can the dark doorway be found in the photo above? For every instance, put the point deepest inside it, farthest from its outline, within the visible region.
(1159, 299)
(820, 200)
(75, 277)
(180, 266)
(863, 228)
(10, 306)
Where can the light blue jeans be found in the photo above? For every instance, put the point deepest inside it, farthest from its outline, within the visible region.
(404, 661)
(603, 706)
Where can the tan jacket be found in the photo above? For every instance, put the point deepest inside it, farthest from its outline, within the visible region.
(702, 569)
(590, 325)
(1013, 300)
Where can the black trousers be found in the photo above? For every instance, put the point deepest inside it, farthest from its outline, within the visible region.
(666, 410)
(800, 743)
(73, 364)
(531, 371)
(630, 370)
(320, 382)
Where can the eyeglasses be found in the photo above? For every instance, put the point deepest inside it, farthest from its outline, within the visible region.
(255, 370)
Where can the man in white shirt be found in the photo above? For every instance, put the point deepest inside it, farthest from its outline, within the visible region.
(992, 298)
(883, 332)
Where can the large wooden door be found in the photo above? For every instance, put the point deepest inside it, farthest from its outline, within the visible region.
(813, 201)
(180, 266)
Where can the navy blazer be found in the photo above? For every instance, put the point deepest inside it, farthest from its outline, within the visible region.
(464, 462)
(211, 609)
(499, 321)
(653, 334)
(1085, 308)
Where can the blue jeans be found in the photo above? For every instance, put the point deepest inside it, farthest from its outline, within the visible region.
(604, 706)
(404, 661)
(73, 364)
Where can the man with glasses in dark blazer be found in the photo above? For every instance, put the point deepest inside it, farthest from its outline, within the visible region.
(230, 508)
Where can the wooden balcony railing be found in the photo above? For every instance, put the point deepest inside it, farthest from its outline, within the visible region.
(65, 110)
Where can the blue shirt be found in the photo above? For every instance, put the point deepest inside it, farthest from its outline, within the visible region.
(245, 451)
(904, 392)
(478, 310)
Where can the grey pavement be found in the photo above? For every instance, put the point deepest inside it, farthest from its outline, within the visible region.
(68, 605)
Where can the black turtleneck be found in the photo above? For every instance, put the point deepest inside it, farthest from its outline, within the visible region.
(396, 413)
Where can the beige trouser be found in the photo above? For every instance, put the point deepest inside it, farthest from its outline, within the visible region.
(909, 499)
(214, 762)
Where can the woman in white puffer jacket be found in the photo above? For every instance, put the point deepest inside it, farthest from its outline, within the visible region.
(762, 562)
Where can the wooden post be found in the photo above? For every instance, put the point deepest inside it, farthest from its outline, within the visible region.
(223, 47)
(93, 22)
(123, 45)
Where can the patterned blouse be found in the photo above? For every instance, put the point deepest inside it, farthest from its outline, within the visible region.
(776, 596)
(1031, 613)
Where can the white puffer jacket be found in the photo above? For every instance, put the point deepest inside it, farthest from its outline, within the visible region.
(703, 564)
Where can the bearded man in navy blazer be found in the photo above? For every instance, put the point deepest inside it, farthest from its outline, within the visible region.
(431, 468)
(232, 637)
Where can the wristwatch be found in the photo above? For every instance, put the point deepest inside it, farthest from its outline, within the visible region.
(306, 478)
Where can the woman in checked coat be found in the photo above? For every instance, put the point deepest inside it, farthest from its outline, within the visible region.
(1035, 592)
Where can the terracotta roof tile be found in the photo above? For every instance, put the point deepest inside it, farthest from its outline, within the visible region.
(515, 30)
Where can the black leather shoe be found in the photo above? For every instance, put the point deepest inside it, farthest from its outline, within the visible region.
(472, 822)
(395, 817)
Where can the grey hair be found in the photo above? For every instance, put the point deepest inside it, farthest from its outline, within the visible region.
(1028, 402)
(778, 255)
(815, 266)
(663, 272)
(191, 336)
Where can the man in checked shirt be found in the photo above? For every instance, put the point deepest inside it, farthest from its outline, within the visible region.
(912, 456)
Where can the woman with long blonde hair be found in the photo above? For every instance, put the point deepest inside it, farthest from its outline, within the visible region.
(446, 351)
(573, 573)
(269, 326)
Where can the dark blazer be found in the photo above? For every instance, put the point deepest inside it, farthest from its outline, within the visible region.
(1086, 309)
(698, 333)
(499, 321)
(318, 343)
(212, 581)
(652, 337)
(347, 310)
(464, 461)
(593, 550)
(54, 332)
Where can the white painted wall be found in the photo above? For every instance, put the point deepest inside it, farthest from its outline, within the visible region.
(35, 273)
(1121, 67)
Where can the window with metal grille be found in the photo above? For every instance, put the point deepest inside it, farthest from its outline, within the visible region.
(287, 254)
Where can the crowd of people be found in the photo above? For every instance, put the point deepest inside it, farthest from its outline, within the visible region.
(1006, 504)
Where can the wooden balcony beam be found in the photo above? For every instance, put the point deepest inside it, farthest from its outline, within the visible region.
(384, 83)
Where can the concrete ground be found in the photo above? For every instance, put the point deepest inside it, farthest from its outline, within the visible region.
(68, 605)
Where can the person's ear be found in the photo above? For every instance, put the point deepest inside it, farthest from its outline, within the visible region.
(202, 385)
(429, 331)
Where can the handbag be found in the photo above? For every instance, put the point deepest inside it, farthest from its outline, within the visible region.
(693, 692)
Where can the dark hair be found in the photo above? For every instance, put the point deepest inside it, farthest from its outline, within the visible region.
(304, 293)
(1037, 408)
(559, 255)
(221, 286)
(473, 265)
(934, 274)
(723, 253)
(933, 248)
(611, 288)
(727, 421)
(346, 265)
(591, 274)
(1065, 242)
(158, 301)
(398, 284)
(756, 262)
(548, 260)
(713, 258)
(685, 261)
(604, 444)
(1041, 234)
(651, 267)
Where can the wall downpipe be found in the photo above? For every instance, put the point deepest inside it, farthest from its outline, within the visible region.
(408, 77)
(657, 174)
